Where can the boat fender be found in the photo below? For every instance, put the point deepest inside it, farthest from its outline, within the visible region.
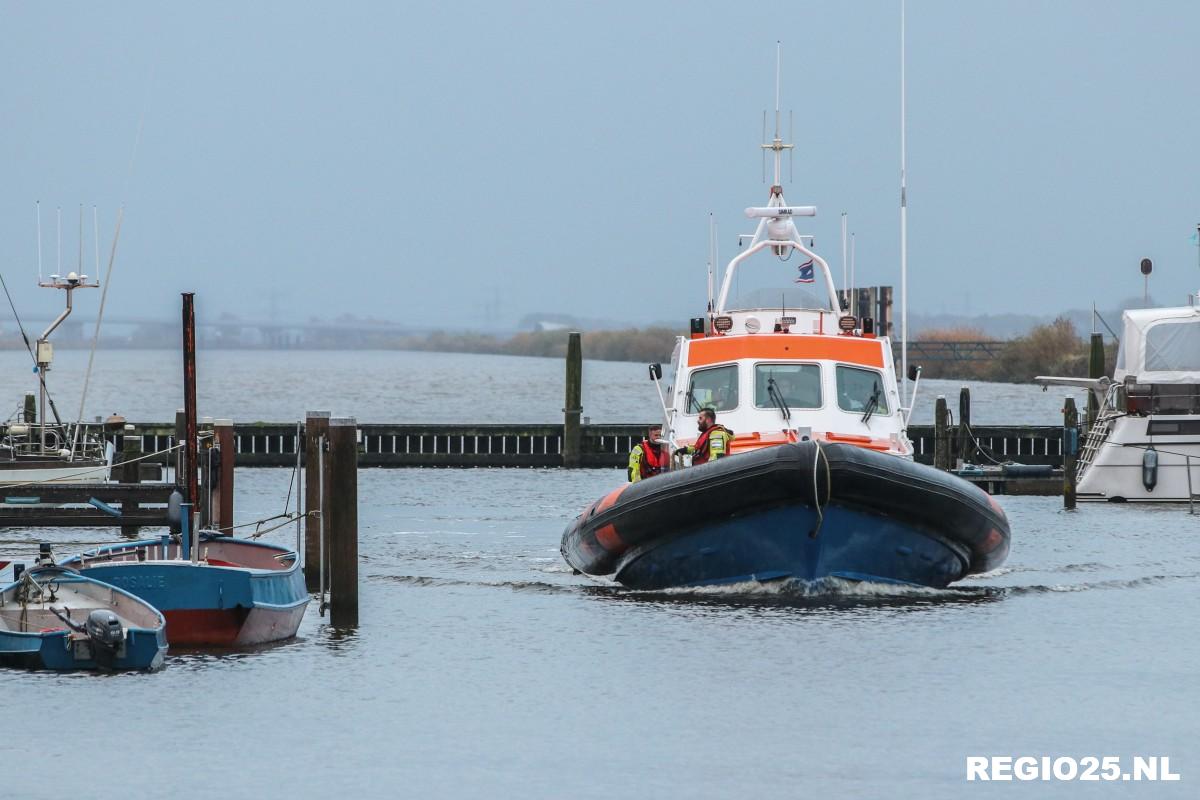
(1150, 468)
(175, 512)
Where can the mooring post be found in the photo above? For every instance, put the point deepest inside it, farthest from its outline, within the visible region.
(316, 425)
(941, 434)
(30, 413)
(1095, 370)
(1070, 449)
(342, 525)
(207, 466)
(226, 460)
(129, 472)
(965, 446)
(572, 434)
(191, 489)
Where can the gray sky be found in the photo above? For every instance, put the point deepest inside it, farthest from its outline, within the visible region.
(413, 162)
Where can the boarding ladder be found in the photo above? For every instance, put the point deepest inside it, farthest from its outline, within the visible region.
(1097, 435)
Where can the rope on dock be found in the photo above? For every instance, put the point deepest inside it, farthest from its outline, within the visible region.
(287, 519)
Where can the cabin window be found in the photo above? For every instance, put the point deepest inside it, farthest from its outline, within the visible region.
(1173, 347)
(715, 388)
(856, 387)
(795, 385)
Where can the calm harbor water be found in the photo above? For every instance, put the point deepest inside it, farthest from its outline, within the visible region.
(483, 668)
(395, 386)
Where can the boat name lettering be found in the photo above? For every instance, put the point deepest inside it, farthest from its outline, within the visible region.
(139, 581)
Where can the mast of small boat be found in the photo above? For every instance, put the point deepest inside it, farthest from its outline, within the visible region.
(44, 352)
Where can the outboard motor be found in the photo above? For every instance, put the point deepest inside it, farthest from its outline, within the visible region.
(1150, 468)
(103, 629)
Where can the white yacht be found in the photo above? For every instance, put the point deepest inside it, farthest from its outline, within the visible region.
(1145, 443)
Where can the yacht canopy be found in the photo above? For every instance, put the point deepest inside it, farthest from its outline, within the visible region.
(1160, 345)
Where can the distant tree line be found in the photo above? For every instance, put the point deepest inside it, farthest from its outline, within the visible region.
(1055, 348)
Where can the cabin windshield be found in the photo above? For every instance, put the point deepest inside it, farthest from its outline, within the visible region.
(799, 385)
(856, 387)
(715, 388)
(766, 282)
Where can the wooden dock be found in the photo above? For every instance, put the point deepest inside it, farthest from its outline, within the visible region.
(269, 444)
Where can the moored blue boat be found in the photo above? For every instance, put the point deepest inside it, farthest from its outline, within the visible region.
(237, 593)
(54, 618)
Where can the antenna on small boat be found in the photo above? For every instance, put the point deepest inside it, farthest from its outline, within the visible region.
(58, 230)
(39, 234)
(96, 239)
(903, 224)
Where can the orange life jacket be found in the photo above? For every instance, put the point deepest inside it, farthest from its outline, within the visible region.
(701, 447)
(652, 459)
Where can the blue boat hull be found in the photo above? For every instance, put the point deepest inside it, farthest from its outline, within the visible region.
(802, 511)
(143, 650)
(244, 597)
(776, 544)
(37, 608)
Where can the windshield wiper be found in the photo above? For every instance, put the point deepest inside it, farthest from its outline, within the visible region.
(872, 404)
(777, 398)
(691, 401)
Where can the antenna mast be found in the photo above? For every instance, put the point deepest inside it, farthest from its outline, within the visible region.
(845, 274)
(712, 256)
(777, 146)
(903, 223)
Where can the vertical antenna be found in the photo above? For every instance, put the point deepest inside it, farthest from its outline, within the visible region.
(764, 152)
(58, 228)
(903, 222)
(778, 74)
(96, 239)
(79, 269)
(845, 274)
(39, 232)
(792, 152)
(854, 298)
(711, 257)
(776, 145)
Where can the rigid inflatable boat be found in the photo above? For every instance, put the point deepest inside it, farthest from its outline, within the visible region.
(819, 479)
(799, 511)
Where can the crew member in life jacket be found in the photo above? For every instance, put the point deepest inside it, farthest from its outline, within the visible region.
(713, 442)
(646, 459)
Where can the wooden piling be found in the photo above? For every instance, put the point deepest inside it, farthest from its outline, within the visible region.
(226, 457)
(1070, 448)
(572, 434)
(316, 425)
(1095, 370)
(941, 434)
(966, 447)
(30, 412)
(190, 478)
(129, 471)
(342, 523)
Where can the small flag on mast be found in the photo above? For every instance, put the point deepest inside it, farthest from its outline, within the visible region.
(806, 272)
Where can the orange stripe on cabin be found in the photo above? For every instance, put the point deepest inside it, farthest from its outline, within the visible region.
(715, 349)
